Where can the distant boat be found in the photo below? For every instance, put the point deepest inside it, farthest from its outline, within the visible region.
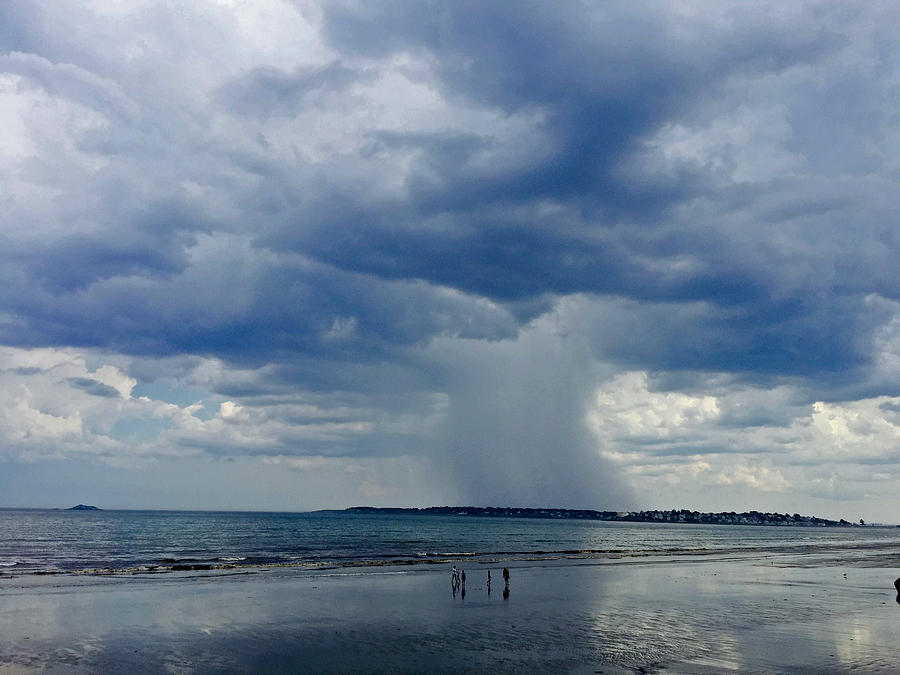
(84, 507)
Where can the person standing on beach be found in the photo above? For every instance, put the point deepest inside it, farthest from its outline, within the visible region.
(489, 582)
(506, 577)
(463, 575)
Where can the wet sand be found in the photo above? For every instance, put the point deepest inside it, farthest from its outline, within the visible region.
(759, 613)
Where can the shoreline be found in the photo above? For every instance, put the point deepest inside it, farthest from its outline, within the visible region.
(794, 612)
(875, 552)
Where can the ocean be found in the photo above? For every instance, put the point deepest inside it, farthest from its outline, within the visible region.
(127, 542)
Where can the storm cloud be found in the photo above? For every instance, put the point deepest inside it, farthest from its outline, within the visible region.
(563, 254)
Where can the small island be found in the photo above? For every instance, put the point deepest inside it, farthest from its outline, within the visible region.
(655, 516)
(84, 507)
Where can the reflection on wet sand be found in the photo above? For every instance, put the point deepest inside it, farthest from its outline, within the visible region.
(736, 614)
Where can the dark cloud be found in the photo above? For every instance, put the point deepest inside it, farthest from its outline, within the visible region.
(22, 28)
(267, 91)
(601, 82)
(700, 449)
(602, 76)
(75, 262)
(291, 312)
(93, 387)
(470, 227)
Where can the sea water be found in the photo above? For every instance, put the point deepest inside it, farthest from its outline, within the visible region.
(58, 541)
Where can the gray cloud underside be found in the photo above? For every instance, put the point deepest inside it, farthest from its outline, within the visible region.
(93, 387)
(763, 275)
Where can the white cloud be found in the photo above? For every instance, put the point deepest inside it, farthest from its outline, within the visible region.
(757, 477)
(228, 409)
(697, 442)
(748, 145)
(631, 410)
(855, 431)
(47, 408)
(54, 405)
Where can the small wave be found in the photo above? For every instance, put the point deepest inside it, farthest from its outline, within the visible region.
(378, 560)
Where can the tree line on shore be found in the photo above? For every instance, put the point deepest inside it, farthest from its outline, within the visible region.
(654, 516)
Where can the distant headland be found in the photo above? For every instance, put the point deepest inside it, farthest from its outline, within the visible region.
(84, 507)
(673, 516)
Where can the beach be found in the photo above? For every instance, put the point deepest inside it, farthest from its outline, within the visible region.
(755, 612)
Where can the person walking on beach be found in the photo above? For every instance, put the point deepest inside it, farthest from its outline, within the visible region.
(489, 582)
(506, 577)
(463, 575)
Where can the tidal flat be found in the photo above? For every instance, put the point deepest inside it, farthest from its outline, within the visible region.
(750, 612)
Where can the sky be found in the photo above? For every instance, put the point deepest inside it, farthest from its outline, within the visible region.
(274, 255)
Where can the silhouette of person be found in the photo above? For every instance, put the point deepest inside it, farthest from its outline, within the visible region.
(463, 575)
(506, 577)
(897, 586)
(489, 582)
(454, 578)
